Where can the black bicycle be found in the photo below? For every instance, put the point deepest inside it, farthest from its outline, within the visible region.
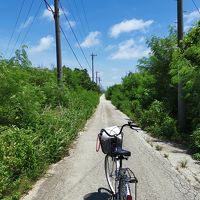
(118, 178)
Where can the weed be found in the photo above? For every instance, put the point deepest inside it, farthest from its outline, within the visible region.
(183, 163)
(166, 155)
(159, 148)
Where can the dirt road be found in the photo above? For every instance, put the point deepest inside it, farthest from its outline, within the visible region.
(80, 175)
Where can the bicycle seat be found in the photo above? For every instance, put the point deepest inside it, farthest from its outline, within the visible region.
(121, 152)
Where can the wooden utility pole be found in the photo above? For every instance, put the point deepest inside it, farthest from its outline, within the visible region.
(58, 43)
(100, 81)
(93, 66)
(181, 105)
(97, 77)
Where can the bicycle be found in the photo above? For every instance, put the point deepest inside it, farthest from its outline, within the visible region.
(118, 178)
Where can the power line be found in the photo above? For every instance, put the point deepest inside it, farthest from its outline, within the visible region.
(87, 23)
(78, 18)
(76, 6)
(74, 18)
(71, 47)
(75, 36)
(26, 18)
(50, 9)
(15, 26)
(84, 14)
(196, 6)
(36, 14)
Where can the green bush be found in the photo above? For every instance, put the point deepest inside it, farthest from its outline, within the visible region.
(20, 158)
(38, 120)
(158, 122)
(196, 156)
(196, 139)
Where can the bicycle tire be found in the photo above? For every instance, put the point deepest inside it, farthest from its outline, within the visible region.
(124, 189)
(110, 171)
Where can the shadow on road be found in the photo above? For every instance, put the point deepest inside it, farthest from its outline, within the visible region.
(102, 194)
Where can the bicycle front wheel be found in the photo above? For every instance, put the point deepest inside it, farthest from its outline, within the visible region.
(111, 172)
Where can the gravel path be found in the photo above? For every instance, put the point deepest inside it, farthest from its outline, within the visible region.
(80, 176)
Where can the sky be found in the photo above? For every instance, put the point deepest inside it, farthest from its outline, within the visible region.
(114, 30)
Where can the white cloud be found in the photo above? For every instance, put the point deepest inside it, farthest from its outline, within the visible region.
(72, 23)
(130, 50)
(110, 47)
(44, 44)
(91, 40)
(26, 23)
(127, 26)
(49, 15)
(192, 17)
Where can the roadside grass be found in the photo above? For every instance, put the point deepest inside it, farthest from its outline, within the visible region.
(158, 147)
(183, 163)
(166, 155)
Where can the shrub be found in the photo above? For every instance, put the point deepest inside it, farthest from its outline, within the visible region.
(20, 157)
(38, 120)
(157, 121)
(196, 139)
(196, 156)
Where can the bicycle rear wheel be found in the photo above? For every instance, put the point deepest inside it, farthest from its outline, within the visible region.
(111, 172)
(124, 189)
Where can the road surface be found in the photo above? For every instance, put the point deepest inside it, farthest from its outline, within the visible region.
(80, 176)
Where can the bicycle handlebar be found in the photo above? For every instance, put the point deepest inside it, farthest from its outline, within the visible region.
(132, 126)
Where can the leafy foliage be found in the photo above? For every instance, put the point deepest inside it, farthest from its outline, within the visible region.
(150, 95)
(38, 119)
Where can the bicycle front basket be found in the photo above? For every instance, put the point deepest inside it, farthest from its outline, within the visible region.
(108, 144)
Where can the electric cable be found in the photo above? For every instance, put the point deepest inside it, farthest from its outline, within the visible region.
(49, 8)
(26, 18)
(75, 36)
(15, 26)
(70, 47)
(80, 31)
(74, 18)
(87, 23)
(196, 6)
(85, 16)
(28, 30)
(79, 17)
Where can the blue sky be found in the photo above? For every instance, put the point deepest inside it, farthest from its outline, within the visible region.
(115, 30)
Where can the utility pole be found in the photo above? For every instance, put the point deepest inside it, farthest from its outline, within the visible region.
(181, 105)
(100, 86)
(58, 44)
(97, 77)
(93, 66)
(99, 81)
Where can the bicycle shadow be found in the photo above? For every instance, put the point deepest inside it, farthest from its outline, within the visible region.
(101, 194)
